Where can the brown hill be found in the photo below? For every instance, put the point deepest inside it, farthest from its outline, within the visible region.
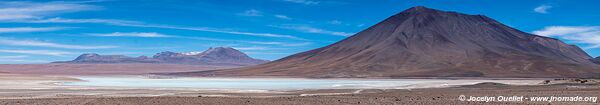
(218, 56)
(423, 42)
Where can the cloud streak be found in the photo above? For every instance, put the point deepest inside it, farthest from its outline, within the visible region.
(13, 57)
(20, 10)
(4, 41)
(309, 29)
(134, 34)
(543, 9)
(279, 43)
(207, 29)
(38, 52)
(29, 29)
(251, 48)
(251, 12)
(305, 2)
(335, 22)
(142, 24)
(282, 17)
(66, 20)
(246, 41)
(589, 35)
(37, 12)
(159, 35)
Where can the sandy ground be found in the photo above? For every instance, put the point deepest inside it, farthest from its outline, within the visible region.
(28, 89)
(436, 96)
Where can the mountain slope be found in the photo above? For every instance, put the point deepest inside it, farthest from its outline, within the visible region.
(423, 42)
(212, 56)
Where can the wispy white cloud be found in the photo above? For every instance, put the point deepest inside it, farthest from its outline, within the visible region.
(132, 34)
(282, 17)
(360, 25)
(13, 57)
(279, 43)
(249, 42)
(207, 29)
(579, 34)
(257, 13)
(565, 30)
(32, 12)
(296, 44)
(36, 12)
(251, 12)
(29, 29)
(142, 24)
(12, 42)
(160, 35)
(258, 48)
(270, 53)
(542, 9)
(84, 1)
(19, 10)
(41, 12)
(305, 2)
(309, 29)
(66, 20)
(336, 22)
(38, 52)
(251, 48)
(5, 17)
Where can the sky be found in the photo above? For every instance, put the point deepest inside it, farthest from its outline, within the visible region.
(46, 31)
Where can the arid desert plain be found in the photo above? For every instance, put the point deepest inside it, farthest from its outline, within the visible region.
(72, 88)
(299, 52)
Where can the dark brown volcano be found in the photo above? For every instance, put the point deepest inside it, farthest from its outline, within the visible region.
(423, 42)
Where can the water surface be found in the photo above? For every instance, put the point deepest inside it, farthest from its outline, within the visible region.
(275, 83)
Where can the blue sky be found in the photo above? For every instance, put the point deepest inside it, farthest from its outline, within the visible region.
(45, 31)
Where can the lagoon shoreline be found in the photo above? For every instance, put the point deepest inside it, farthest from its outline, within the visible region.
(27, 89)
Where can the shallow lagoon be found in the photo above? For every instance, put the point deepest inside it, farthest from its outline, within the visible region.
(276, 83)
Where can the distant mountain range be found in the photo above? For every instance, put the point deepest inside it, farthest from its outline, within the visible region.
(223, 56)
(424, 42)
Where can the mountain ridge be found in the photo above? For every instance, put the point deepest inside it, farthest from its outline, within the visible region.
(212, 56)
(424, 42)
